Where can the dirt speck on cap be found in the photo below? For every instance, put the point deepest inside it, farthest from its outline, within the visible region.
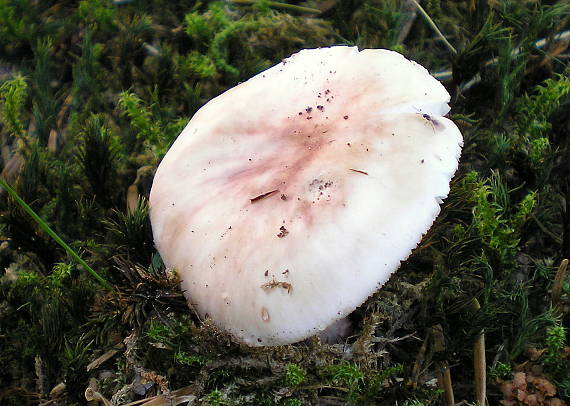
(282, 232)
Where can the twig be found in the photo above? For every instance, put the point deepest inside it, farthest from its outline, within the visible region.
(444, 379)
(420, 358)
(263, 196)
(394, 340)
(479, 363)
(133, 198)
(359, 171)
(92, 394)
(557, 286)
(103, 358)
(182, 395)
(57, 390)
(434, 27)
(41, 379)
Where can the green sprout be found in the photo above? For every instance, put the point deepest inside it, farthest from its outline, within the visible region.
(45, 227)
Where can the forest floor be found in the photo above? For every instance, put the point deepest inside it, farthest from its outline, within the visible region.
(93, 93)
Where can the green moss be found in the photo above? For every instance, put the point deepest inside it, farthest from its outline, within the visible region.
(199, 65)
(294, 375)
(534, 119)
(216, 398)
(14, 25)
(184, 358)
(292, 402)
(12, 97)
(554, 360)
(100, 14)
(499, 370)
(153, 132)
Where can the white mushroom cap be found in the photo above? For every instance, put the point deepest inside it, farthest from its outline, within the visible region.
(291, 198)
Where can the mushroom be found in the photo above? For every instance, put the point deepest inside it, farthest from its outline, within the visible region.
(291, 198)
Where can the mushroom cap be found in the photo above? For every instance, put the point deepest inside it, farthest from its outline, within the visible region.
(291, 198)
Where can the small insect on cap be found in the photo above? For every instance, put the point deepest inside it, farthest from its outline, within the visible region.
(291, 198)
